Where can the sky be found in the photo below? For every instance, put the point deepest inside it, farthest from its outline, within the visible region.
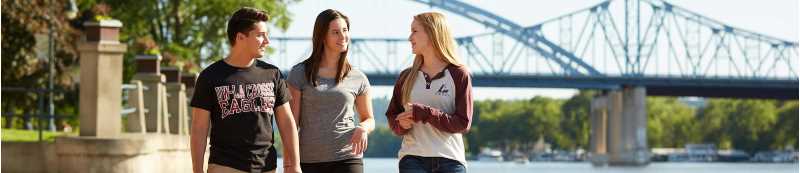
(392, 19)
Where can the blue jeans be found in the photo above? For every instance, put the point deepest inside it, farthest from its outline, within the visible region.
(417, 164)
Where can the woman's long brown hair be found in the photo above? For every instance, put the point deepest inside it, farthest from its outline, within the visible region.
(321, 26)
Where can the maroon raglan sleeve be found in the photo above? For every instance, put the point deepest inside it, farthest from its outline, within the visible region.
(460, 120)
(396, 107)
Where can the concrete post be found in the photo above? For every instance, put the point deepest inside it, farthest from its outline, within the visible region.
(635, 117)
(625, 127)
(615, 127)
(176, 101)
(599, 127)
(149, 73)
(101, 82)
(188, 80)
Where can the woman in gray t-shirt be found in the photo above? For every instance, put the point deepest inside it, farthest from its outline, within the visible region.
(326, 91)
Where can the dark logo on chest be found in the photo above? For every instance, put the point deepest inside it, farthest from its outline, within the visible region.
(443, 90)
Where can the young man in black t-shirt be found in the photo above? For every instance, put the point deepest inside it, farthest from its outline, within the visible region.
(237, 98)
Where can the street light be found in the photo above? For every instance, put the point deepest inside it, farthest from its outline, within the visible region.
(71, 11)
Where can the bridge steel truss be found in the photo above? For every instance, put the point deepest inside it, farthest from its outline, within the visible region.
(652, 43)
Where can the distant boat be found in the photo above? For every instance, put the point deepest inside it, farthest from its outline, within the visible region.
(776, 156)
(701, 152)
(678, 157)
(732, 156)
(490, 155)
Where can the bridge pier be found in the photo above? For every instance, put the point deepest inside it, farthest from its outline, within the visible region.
(619, 128)
(598, 117)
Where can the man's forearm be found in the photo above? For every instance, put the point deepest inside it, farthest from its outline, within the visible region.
(288, 130)
(198, 149)
(198, 138)
(289, 137)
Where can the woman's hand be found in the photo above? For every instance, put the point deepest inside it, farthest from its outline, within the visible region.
(405, 119)
(359, 140)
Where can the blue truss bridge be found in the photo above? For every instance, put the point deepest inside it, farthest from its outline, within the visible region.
(664, 48)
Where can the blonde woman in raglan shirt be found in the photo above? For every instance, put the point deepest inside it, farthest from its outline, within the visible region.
(431, 105)
(327, 90)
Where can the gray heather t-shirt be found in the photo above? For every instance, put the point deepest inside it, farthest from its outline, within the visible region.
(327, 115)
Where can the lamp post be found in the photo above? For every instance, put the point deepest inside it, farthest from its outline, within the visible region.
(71, 11)
(50, 68)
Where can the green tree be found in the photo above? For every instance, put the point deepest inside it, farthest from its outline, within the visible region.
(543, 120)
(712, 121)
(485, 130)
(383, 143)
(739, 124)
(22, 68)
(785, 130)
(575, 122)
(670, 123)
(750, 124)
(188, 32)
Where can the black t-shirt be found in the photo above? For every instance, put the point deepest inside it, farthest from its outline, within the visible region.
(241, 102)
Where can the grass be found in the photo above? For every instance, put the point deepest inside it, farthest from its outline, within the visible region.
(18, 135)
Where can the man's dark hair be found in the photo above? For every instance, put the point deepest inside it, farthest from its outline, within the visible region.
(243, 21)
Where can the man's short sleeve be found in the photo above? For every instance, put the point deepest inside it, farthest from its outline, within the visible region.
(203, 96)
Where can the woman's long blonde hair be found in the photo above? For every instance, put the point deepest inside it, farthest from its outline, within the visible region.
(435, 25)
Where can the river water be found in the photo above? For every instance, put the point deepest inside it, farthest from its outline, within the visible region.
(389, 165)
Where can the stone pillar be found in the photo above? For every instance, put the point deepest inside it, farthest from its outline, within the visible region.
(635, 117)
(101, 80)
(188, 80)
(614, 145)
(625, 127)
(176, 101)
(598, 117)
(148, 71)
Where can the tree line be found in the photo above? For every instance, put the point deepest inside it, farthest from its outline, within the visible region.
(516, 125)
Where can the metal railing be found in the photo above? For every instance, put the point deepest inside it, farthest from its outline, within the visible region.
(41, 112)
(134, 112)
(132, 95)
